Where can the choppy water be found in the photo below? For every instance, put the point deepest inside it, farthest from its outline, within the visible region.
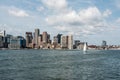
(59, 65)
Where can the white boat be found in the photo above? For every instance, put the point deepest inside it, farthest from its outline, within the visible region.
(85, 47)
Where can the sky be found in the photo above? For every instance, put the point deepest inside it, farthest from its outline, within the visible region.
(87, 20)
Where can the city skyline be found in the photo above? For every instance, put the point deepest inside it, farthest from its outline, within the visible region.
(90, 20)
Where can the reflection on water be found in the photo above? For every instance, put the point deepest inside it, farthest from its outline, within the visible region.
(59, 65)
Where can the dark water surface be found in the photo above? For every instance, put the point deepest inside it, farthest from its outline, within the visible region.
(59, 65)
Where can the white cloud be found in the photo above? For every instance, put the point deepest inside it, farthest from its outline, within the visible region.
(40, 8)
(85, 22)
(107, 13)
(84, 16)
(55, 4)
(18, 12)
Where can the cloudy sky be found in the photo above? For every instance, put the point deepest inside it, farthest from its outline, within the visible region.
(88, 20)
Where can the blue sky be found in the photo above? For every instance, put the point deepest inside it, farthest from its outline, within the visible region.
(88, 20)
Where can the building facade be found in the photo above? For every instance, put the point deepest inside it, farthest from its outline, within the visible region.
(29, 39)
(17, 43)
(70, 42)
(64, 42)
(1, 41)
(59, 38)
(45, 37)
(37, 33)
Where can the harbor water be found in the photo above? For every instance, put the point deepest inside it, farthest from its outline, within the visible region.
(59, 65)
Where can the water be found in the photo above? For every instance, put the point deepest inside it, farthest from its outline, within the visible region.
(59, 65)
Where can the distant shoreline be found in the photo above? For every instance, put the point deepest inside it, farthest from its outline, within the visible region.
(55, 49)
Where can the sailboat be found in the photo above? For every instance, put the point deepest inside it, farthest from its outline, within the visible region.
(85, 47)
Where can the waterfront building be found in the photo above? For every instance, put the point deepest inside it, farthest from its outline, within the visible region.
(55, 39)
(70, 42)
(59, 38)
(37, 31)
(1, 41)
(55, 42)
(64, 42)
(5, 41)
(8, 36)
(39, 41)
(45, 37)
(77, 42)
(29, 39)
(104, 43)
(48, 38)
(17, 43)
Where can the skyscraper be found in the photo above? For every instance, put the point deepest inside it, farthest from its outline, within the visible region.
(70, 42)
(104, 43)
(59, 38)
(28, 38)
(48, 38)
(36, 37)
(55, 39)
(45, 37)
(40, 40)
(64, 41)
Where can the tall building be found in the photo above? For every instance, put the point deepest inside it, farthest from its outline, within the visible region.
(55, 39)
(70, 42)
(36, 37)
(104, 43)
(29, 38)
(64, 41)
(39, 41)
(59, 38)
(48, 38)
(45, 37)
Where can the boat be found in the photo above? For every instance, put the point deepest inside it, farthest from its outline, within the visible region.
(85, 47)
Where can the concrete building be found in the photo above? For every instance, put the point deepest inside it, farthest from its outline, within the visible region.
(64, 42)
(45, 37)
(104, 43)
(37, 31)
(29, 39)
(55, 39)
(59, 38)
(1, 41)
(40, 41)
(48, 38)
(70, 42)
(76, 43)
(55, 42)
(17, 43)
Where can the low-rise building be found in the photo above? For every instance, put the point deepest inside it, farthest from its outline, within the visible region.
(17, 43)
(1, 41)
